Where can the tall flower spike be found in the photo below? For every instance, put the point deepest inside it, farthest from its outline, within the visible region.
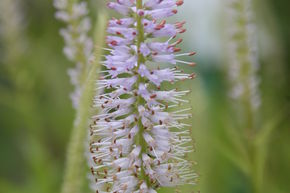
(242, 53)
(138, 142)
(78, 48)
(243, 66)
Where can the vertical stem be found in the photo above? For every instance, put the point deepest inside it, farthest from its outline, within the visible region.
(76, 166)
(140, 139)
(249, 112)
(246, 73)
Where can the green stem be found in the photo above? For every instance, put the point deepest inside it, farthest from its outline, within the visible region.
(140, 101)
(76, 166)
(248, 112)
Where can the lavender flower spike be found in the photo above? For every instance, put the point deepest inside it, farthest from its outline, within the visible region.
(138, 142)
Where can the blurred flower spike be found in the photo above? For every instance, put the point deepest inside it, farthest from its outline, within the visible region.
(138, 141)
(78, 46)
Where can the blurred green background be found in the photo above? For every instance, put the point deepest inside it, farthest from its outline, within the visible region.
(36, 114)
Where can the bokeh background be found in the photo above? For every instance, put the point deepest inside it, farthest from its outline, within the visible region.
(36, 114)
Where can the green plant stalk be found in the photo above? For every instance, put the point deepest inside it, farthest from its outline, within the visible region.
(249, 114)
(76, 164)
(140, 101)
(250, 117)
(255, 152)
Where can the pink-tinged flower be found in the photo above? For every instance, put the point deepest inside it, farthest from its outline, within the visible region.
(138, 141)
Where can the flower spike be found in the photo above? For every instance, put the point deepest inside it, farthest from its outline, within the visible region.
(138, 141)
